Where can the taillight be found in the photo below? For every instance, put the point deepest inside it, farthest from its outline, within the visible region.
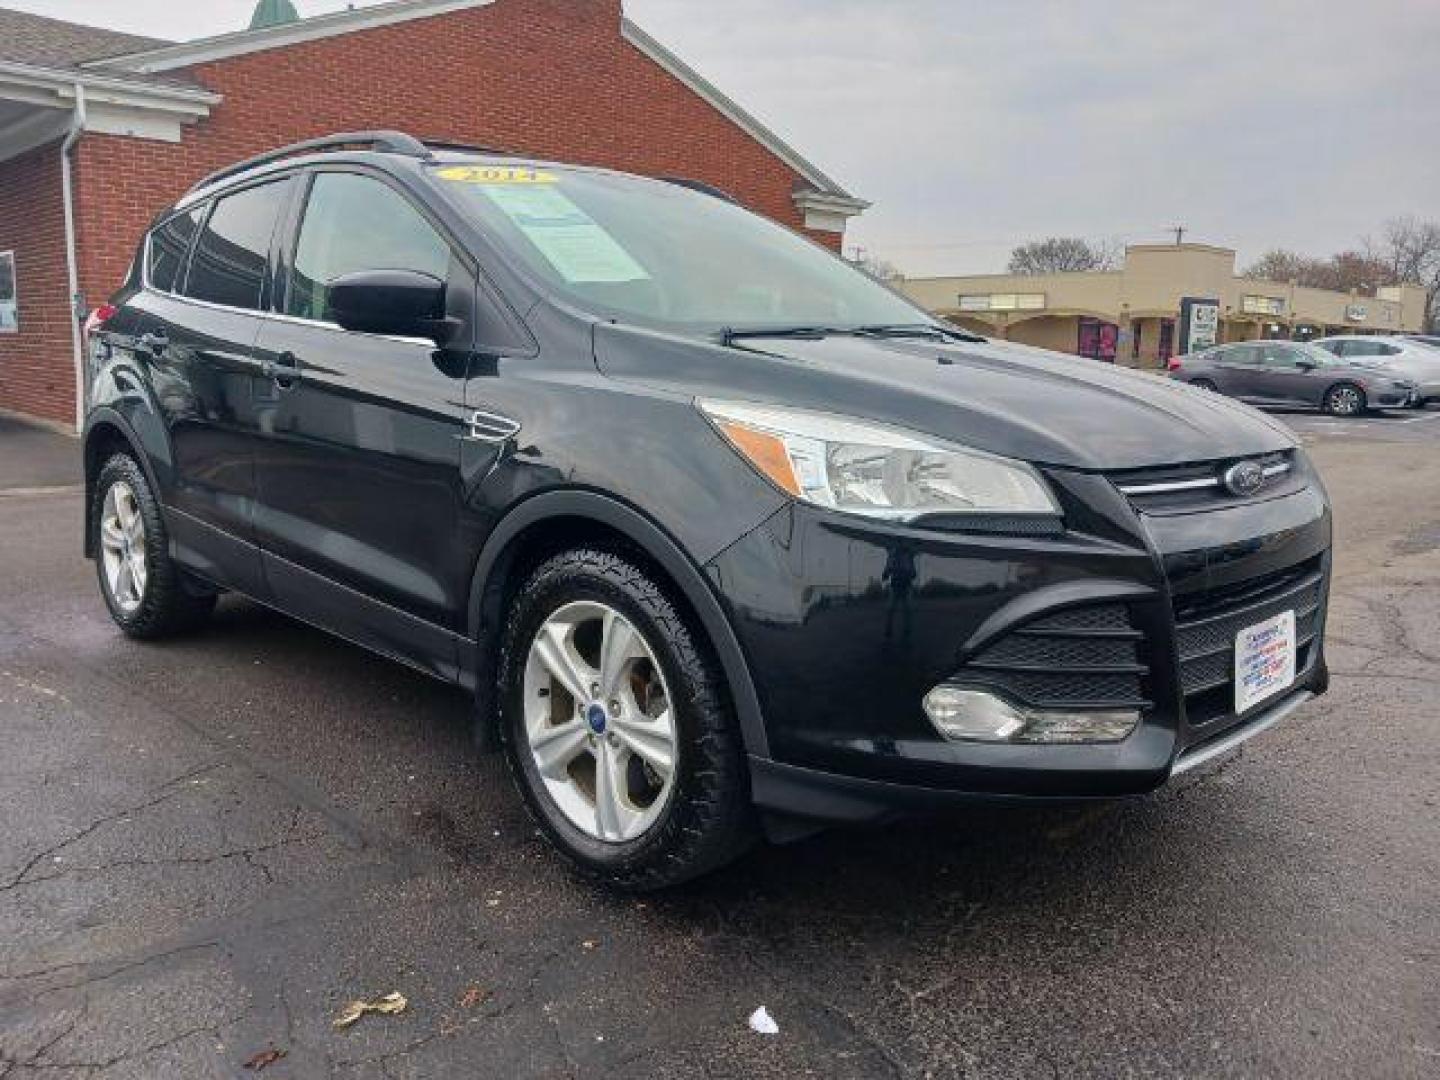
(1173, 364)
(98, 318)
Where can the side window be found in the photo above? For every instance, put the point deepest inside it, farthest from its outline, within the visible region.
(168, 246)
(228, 266)
(1336, 348)
(1282, 356)
(332, 242)
(1359, 348)
(1388, 350)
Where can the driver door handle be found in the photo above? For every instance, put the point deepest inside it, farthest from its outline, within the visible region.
(284, 369)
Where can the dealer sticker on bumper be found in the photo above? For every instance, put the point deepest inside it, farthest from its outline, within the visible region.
(1264, 660)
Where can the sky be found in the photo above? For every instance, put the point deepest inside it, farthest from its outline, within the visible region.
(975, 125)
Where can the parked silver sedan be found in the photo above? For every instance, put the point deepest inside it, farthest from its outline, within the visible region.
(1294, 373)
(1408, 357)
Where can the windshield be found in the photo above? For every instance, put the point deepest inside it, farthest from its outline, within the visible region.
(654, 252)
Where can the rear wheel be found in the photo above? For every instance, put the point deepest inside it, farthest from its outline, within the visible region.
(1345, 399)
(616, 726)
(1204, 384)
(143, 588)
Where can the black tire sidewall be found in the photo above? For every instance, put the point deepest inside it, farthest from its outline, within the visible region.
(1330, 396)
(701, 720)
(165, 606)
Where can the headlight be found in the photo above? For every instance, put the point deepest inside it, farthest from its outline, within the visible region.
(865, 468)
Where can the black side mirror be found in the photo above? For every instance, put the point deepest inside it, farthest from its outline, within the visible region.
(404, 303)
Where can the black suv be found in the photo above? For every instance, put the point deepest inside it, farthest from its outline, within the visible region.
(721, 533)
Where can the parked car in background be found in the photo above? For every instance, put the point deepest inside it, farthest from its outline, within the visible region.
(1408, 357)
(1428, 339)
(1294, 373)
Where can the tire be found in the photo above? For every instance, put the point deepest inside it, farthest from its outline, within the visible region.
(1345, 399)
(1205, 384)
(160, 605)
(698, 815)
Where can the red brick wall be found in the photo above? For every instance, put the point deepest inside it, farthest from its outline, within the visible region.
(545, 77)
(37, 373)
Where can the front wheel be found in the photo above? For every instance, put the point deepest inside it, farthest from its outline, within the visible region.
(616, 725)
(1345, 399)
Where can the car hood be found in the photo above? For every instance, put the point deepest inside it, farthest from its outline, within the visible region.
(1044, 407)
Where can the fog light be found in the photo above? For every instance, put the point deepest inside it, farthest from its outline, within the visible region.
(976, 715)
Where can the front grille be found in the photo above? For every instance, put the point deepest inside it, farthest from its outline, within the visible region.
(1198, 486)
(1082, 657)
(1207, 624)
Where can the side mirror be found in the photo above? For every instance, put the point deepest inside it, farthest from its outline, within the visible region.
(404, 303)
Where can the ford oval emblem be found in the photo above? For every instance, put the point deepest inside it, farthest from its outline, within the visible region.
(1244, 478)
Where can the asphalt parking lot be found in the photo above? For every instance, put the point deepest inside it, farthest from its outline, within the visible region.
(211, 845)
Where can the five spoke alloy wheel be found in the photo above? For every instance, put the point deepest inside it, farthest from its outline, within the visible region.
(598, 721)
(123, 548)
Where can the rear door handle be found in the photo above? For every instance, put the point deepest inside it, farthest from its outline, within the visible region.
(284, 369)
(153, 343)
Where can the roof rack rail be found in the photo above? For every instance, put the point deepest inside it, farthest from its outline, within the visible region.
(454, 144)
(700, 186)
(388, 142)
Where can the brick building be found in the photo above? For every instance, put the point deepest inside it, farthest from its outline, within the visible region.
(100, 130)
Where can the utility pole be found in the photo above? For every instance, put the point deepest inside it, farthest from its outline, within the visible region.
(1179, 234)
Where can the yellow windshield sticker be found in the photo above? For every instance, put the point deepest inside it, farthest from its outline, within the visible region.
(495, 174)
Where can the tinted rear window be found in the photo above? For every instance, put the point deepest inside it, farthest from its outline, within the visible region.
(169, 244)
(228, 266)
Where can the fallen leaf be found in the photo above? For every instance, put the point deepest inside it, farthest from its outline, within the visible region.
(472, 997)
(264, 1058)
(386, 1005)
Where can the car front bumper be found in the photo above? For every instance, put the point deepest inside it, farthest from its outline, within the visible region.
(847, 624)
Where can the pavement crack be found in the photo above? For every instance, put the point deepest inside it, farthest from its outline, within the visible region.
(177, 860)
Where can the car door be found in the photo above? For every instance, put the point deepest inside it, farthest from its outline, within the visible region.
(358, 475)
(200, 329)
(1234, 370)
(1288, 374)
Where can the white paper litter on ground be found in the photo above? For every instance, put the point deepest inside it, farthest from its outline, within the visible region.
(761, 1021)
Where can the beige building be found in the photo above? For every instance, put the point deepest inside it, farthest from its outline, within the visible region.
(1134, 315)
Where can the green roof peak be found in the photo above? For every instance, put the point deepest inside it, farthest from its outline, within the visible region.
(273, 13)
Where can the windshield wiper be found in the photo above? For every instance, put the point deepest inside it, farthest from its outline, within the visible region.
(930, 330)
(731, 334)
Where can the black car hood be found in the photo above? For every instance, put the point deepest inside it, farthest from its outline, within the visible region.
(1045, 407)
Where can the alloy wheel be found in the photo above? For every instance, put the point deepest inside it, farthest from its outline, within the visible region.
(599, 721)
(122, 547)
(1345, 400)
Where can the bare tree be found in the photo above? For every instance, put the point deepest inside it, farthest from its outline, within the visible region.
(1059, 255)
(872, 264)
(1409, 250)
(1347, 270)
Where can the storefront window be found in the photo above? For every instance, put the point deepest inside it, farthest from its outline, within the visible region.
(1098, 339)
(9, 300)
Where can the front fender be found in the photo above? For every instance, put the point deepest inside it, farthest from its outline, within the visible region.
(486, 588)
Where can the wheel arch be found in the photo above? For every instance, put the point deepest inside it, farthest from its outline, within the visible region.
(548, 523)
(107, 432)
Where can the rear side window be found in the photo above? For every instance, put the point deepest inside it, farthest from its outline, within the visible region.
(169, 244)
(333, 242)
(228, 266)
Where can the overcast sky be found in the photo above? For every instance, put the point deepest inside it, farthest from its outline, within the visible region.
(973, 125)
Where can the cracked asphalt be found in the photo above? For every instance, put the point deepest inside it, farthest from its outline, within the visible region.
(211, 845)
